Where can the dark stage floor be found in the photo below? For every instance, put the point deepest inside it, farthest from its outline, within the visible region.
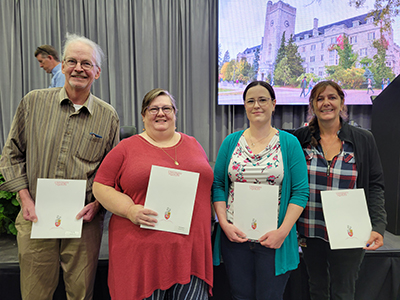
(379, 274)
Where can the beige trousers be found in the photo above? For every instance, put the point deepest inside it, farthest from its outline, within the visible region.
(40, 260)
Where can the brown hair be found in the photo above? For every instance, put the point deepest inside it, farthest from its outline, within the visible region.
(47, 50)
(264, 84)
(315, 92)
(151, 95)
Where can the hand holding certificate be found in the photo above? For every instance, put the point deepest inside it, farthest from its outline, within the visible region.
(171, 193)
(256, 208)
(346, 218)
(58, 201)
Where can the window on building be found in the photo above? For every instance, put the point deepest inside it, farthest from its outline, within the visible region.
(313, 47)
(333, 58)
(363, 52)
(320, 71)
(333, 40)
(353, 39)
(322, 46)
(322, 57)
(312, 70)
(303, 49)
(312, 58)
(371, 36)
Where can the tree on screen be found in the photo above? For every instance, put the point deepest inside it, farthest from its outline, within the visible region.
(282, 73)
(288, 65)
(347, 58)
(294, 59)
(243, 71)
(256, 65)
(379, 67)
(384, 11)
(281, 51)
(227, 57)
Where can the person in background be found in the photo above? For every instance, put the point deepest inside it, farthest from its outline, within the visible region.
(60, 133)
(48, 60)
(260, 154)
(339, 156)
(310, 86)
(369, 87)
(152, 264)
(303, 86)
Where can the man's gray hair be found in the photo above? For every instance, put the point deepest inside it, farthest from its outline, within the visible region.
(72, 38)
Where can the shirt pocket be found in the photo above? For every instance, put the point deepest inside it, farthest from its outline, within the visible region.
(91, 148)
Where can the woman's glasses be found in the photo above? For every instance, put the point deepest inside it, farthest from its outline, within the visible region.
(155, 109)
(261, 102)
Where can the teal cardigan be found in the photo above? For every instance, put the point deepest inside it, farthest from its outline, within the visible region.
(294, 190)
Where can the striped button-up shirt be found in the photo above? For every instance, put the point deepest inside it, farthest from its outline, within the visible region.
(49, 139)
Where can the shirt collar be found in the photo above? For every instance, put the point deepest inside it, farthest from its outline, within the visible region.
(343, 132)
(56, 69)
(88, 105)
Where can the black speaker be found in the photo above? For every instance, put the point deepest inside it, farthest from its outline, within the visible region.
(385, 125)
(126, 131)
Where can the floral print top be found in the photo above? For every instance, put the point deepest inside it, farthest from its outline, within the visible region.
(265, 167)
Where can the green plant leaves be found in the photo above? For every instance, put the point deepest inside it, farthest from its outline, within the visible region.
(9, 208)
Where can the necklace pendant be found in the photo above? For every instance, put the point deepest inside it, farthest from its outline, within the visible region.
(176, 163)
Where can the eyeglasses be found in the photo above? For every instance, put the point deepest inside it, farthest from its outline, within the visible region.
(165, 109)
(85, 64)
(261, 102)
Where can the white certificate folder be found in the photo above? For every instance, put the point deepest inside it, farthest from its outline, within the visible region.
(171, 193)
(57, 203)
(346, 218)
(256, 208)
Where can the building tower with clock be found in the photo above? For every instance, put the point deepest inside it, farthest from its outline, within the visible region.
(315, 44)
(280, 17)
